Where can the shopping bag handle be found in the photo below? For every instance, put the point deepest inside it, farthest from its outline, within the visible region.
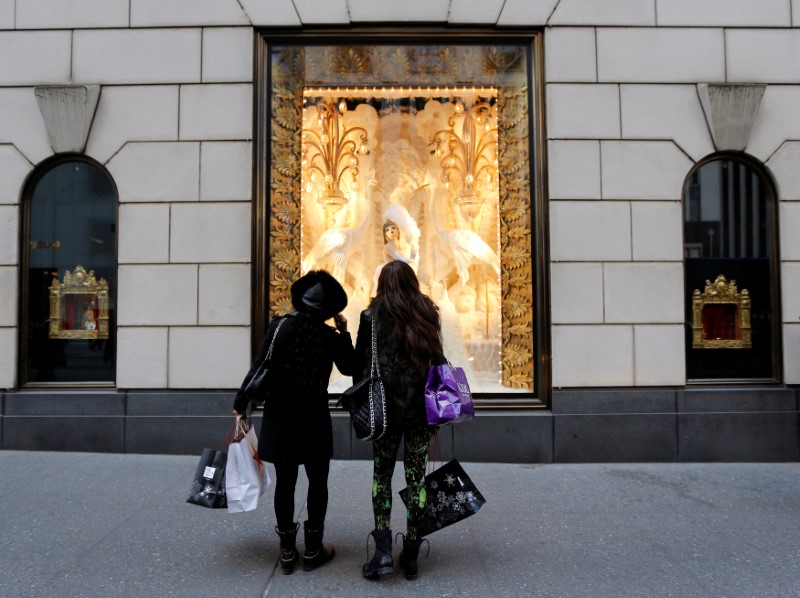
(228, 437)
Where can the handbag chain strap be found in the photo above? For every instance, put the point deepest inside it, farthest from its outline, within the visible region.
(272, 342)
(374, 370)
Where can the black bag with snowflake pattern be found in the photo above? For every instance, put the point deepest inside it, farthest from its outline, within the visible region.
(450, 497)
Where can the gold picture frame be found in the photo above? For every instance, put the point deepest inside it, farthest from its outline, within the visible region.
(721, 316)
(79, 306)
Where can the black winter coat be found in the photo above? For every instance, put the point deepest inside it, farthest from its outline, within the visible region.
(403, 383)
(297, 428)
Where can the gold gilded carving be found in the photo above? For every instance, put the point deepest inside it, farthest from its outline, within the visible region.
(721, 316)
(79, 306)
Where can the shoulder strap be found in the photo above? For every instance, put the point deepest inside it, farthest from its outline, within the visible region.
(374, 370)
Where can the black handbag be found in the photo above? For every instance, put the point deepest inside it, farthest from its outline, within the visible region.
(451, 496)
(258, 386)
(366, 400)
(208, 487)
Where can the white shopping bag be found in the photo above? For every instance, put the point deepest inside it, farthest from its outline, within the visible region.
(246, 476)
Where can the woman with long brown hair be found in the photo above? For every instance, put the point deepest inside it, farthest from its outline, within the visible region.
(408, 334)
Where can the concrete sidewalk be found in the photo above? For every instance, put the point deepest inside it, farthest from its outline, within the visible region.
(106, 525)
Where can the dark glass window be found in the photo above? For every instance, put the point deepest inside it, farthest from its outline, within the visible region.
(69, 274)
(729, 230)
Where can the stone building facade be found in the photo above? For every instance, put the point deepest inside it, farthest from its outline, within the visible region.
(630, 100)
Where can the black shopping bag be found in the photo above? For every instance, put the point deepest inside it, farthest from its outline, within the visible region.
(208, 487)
(451, 497)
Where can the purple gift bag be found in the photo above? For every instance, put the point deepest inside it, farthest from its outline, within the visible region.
(448, 399)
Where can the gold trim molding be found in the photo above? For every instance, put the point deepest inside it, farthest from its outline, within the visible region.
(79, 306)
(735, 331)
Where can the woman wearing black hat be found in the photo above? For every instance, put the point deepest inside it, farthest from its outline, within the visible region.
(296, 428)
(408, 335)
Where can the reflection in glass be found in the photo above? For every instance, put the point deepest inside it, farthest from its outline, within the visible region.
(71, 257)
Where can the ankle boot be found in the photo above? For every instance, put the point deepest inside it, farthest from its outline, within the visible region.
(408, 557)
(288, 547)
(316, 553)
(381, 562)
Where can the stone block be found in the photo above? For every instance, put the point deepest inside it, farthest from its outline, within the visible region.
(592, 355)
(651, 55)
(524, 12)
(57, 14)
(168, 171)
(156, 13)
(789, 213)
(224, 295)
(738, 437)
(791, 351)
(576, 290)
(613, 401)
(143, 221)
(208, 357)
(65, 403)
(763, 55)
(340, 424)
(783, 165)
(527, 438)
(643, 169)
(13, 170)
(9, 229)
(218, 111)
(778, 119)
(659, 353)
(582, 111)
(274, 13)
(157, 295)
(604, 12)
(40, 57)
(643, 293)
(570, 54)
(632, 438)
(141, 357)
(227, 54)
(165, 403)
(119, 56)
(210, 232)
(657, 230)
(176, 435)
(317, 12)
(426, 11)
(565, 158)
(590, 231)
(736, 400)
(723, 13)
(100, 434)
(472, 13)
(8, 358)
(9, 293)
(23, 125)
(141, 113)
(790, 291)
(226, 170)
(666, 112)
(7, 10)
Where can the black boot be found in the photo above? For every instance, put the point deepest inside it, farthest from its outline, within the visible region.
(316, 554)
(408, 557)
(381, 562)
(288, 547)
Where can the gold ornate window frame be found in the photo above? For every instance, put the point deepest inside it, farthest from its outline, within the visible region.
(721, 293)
(522, 208)
(79, 306)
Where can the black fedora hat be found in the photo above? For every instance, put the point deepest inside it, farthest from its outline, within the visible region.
(318, 293)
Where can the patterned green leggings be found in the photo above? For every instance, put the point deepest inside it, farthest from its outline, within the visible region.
(414, 464)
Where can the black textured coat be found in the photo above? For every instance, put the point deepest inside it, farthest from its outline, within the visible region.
(403, 383)
(297, 428)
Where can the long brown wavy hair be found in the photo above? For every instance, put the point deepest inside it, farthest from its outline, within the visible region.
(415, 315)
